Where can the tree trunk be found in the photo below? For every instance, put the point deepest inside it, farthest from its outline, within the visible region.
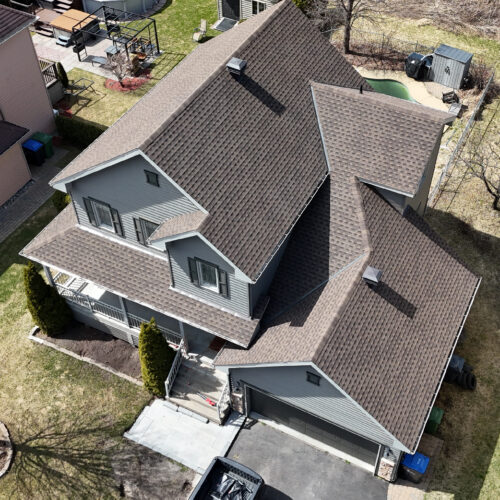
(348, 26)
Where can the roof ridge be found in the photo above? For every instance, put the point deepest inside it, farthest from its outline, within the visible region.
(190, 100)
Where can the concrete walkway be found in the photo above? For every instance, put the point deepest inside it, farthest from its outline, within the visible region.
(31, 197)
(191, 441)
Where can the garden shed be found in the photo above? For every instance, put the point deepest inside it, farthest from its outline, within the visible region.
(450, 66)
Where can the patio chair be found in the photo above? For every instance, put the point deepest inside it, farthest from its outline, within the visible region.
(201, 31)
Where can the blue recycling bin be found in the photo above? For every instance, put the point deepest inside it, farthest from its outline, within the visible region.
(414, 466)
(34, 152)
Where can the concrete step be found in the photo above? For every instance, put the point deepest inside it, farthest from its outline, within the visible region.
(61, 9)
(196, 405)
(185, 384)
(64, 2)
(44, 31)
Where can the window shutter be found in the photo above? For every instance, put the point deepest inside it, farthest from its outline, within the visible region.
(117, 223)
(223, 289)
(193, 271)
(138, 231)
(90, 211)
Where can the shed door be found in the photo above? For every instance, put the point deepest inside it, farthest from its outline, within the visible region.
(312, 426)
(231, 9)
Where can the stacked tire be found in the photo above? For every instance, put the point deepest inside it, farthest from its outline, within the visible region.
(460, 373)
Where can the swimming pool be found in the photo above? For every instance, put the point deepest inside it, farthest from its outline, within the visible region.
(391, 87)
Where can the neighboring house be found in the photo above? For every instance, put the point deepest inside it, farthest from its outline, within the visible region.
(25, 107)
(242, 9)
(242, 211)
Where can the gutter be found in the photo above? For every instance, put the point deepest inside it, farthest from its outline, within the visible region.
(440, 383)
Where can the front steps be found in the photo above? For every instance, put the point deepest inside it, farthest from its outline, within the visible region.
(195, 377)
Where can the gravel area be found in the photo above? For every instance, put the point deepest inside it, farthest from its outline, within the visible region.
(99, 346)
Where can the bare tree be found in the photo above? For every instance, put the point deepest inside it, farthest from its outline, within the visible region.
(120, 66)
(482, 160)
(331, 13)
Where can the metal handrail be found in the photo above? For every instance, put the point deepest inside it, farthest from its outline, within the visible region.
(174, 369)
(221, 402)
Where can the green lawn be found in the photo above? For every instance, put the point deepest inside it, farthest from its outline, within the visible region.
(65, 416)
(175, 24)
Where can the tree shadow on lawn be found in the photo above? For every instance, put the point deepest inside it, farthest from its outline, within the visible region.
(469, 427)
(69, 459)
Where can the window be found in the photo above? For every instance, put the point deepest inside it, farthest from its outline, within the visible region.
(257, 7)
(152, 178)
(313, 378)
(144, 229)
(102, 215)
(208, 276)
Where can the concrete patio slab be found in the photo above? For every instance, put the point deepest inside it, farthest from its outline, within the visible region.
(182, 438)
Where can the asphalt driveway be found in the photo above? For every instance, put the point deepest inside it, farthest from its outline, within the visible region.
(296, 470)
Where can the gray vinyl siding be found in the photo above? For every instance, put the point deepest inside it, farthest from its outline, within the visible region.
(180, 250)
(260, 288)
(398, 201)
(453, 77)
(419, 201)
(124, 187)
(289, 383)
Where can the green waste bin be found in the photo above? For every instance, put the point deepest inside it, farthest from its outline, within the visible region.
(434, 420)
(46, 140)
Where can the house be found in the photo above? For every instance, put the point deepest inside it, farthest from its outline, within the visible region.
(264, 205)
(238, 10)
(25, 107)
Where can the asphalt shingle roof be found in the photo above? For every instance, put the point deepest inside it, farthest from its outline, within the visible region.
(12, 20)
(10, 134)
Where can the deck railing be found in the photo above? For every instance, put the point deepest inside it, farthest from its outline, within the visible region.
(113, 312)
(223, 401)
(174, 369)
(49, 73)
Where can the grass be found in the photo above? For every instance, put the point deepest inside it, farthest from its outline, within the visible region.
(65, 416)
(175, 24)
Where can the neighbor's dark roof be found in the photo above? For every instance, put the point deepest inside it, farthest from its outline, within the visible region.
(385, 347)
(10, 134)
(132, 273)
(12, 20)
(453, 53)
(220, 143)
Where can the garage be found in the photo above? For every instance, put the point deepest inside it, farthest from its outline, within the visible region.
(314, 427)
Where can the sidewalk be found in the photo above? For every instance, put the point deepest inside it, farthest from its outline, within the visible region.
(32, 196)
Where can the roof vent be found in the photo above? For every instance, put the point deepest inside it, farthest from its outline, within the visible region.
(236, 66)
(372, 276)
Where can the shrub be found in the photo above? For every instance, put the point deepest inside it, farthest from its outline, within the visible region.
(302, 4)
(48, 309)
(61, 74)
(77, 131)
(156, 358)
(60, 200)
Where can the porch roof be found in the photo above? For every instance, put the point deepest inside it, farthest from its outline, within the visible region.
(131, 273)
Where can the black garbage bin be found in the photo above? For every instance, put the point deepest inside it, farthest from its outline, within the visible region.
(34, 152)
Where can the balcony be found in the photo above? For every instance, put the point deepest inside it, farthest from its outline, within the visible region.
(93, 300)
(48, 69)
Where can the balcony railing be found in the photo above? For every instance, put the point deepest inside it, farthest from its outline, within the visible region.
(113, 312)
(49, 73)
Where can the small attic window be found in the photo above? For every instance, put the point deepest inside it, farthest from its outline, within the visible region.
(313, 378)
(152, 178)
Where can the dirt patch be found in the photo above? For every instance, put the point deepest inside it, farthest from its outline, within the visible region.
(99, 346)
(128, 84)
(144, 474)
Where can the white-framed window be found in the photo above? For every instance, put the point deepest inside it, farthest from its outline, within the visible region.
(103, 216)
(257, 7)
(208, 276)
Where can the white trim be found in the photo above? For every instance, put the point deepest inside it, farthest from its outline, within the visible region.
(124, 242)
(320, 130)
(393, 190)
(313, 442)
(145, 304)
(440, 383)
(211, 304)
(167, 239)
(395, 444)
